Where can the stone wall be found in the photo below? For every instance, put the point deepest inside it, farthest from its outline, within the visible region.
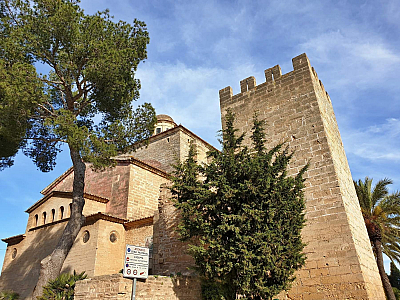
(143, 193)
(162, 151)
(169, 253)
(170, 147)
(98, 256)
(57, 204)
(21, 272)
(340, 263)
(153, 288)
(112, 184)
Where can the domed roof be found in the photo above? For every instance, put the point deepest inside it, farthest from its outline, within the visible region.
(167, 118)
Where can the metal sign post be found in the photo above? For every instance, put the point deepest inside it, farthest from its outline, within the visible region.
(134, 289)
(136, 264)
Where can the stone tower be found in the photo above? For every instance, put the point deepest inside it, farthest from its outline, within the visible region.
(340, 263)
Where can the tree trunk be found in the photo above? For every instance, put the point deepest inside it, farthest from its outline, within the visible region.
(379, 260)
(50, 266)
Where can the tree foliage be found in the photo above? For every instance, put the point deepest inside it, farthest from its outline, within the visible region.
(394, 279)
(91, 63)
(84, 99)
(381, 212)
(63, 287)
(8, 295)
(394, 276)
(242, 215)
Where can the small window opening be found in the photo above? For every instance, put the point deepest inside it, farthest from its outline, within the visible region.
(14, 253)
(70, 209)
(158, 130)
(53, 215)
(44, 218)
(86, 236)
(61, 214)
(113, 237)
(36, 220)
(167, 140)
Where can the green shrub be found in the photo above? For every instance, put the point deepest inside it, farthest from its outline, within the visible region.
(8, 295)
(396, 292)
(61, 288)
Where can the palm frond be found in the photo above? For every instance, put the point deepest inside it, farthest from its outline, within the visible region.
(381, 212)
(380, 190)
(363, 195)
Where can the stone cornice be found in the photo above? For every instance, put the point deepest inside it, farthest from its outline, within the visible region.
(64, 195)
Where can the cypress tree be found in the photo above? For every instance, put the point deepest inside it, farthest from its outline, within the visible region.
(242, 215)
(394, 276)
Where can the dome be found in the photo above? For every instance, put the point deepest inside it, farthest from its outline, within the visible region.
(164, 118)
(164, 122)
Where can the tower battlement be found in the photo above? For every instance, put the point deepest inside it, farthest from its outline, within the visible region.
(274, 78)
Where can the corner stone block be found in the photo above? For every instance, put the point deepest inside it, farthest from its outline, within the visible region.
(268, 75)
(273, 73)
(276, 72)
(243, 86)
(300, 61)
(225, 93)
(251, 82)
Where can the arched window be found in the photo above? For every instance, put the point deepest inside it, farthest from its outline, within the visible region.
(44, 218)
(61, 213)
(53, 215)
(36, 220)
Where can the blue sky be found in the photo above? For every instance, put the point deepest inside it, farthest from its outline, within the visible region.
(199, 47)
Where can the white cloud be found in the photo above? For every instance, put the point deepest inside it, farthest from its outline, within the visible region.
(353, 58)
(190, 95)
(377, 142)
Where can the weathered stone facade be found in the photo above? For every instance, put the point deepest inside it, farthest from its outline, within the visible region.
(121, 205)
(131, 204)
(116, 287)
(170, 254)
(297, 110)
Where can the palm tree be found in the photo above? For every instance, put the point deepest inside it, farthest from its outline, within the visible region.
(381, 212)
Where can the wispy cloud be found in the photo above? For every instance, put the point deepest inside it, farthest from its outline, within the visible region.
(376, 142)
(190, 95)
(353, 60)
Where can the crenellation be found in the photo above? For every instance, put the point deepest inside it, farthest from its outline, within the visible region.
(225, 94)
(314, 73)
(301, 61)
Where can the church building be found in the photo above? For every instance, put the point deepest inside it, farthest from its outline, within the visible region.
(120, 204)
(131, 203)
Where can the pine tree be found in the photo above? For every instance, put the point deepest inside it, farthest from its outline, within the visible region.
(84, 101)
(242, 215)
